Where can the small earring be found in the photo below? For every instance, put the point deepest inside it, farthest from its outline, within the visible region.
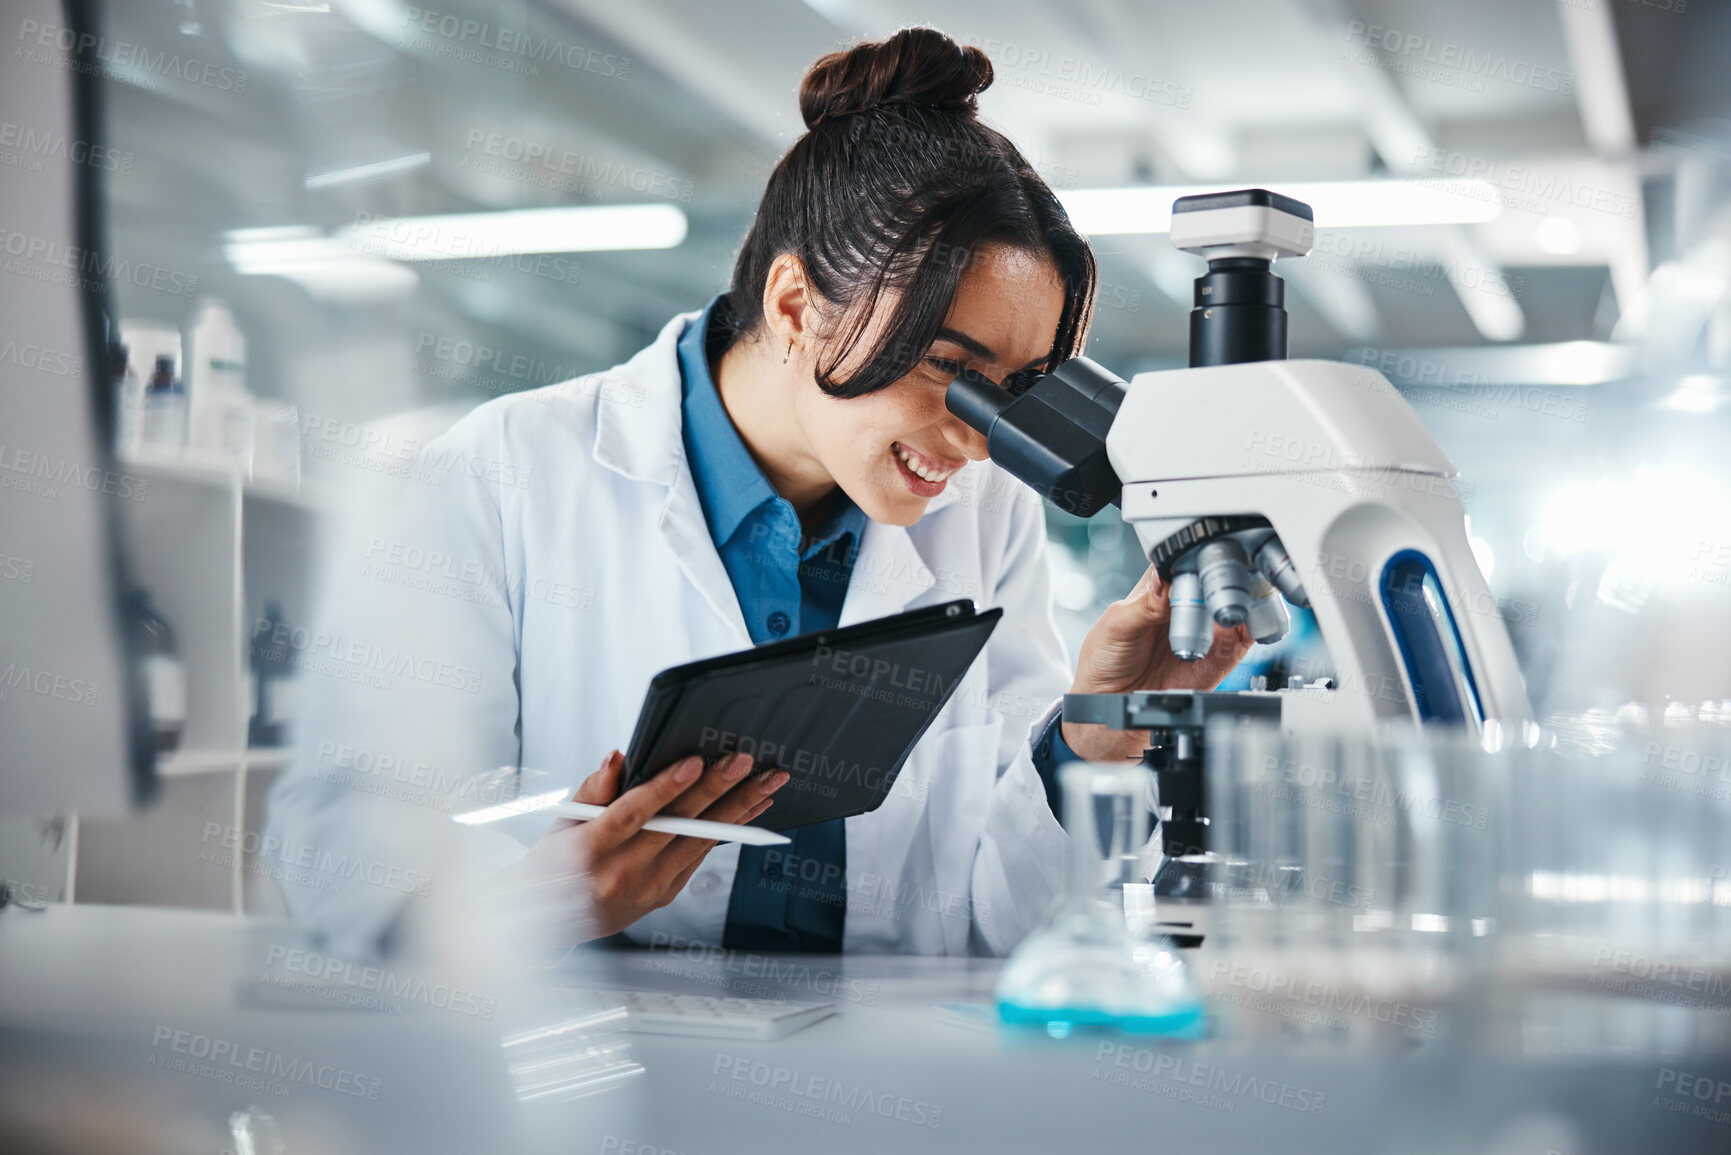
(789, 352)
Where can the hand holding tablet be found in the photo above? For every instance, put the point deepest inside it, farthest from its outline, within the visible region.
(838, 710)
(834, 713)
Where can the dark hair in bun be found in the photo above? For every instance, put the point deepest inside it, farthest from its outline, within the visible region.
(915, 66)
(891, 191)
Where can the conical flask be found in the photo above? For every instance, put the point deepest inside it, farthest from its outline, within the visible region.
(1085, 968)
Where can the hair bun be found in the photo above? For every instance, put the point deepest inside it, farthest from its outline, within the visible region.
(915, 66)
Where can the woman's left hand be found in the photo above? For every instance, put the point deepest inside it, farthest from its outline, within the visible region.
(1128, 650)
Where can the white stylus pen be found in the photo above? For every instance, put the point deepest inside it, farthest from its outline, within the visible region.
(695, 827)
(555, 803)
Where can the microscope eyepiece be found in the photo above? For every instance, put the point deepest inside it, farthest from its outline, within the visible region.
(1053, 434)
(973, 398)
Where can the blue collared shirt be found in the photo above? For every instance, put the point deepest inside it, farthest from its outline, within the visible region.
(787, 583)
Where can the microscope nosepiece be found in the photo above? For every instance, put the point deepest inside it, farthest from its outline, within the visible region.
(1190, 629)
(1225, 573)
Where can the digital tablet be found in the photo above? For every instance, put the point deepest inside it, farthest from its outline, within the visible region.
(839, 710)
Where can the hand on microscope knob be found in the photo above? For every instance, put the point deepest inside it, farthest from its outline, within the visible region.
(1127, 650)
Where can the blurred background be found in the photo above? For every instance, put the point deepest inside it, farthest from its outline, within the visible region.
(1522, 222)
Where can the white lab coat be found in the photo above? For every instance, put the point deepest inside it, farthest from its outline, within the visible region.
(564, 560)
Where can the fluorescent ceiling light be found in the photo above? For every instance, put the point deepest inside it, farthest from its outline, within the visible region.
(1590, 32)
(367, 173)
(326, 269)
(1350, 204)
(1472, 366)
(1584, 362)
(514, 232)
(844, 14)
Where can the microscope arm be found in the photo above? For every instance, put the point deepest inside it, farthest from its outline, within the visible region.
(1313, 478)
(1364, 506)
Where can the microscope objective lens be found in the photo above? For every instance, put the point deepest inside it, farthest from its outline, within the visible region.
(1275, 564)
(1191, 630)
(1225, 573)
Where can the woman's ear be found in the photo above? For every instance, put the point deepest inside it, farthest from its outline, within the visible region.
(788, 314)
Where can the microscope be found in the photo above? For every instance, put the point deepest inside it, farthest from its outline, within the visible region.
(1251, 482)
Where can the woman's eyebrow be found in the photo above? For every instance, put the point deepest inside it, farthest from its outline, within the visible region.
(979, 348)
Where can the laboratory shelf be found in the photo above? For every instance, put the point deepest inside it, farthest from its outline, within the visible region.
(307, 497)
(180, 468)
(219, 473)
(213, 550)
(267, 757)
(181, 849)
(178, 763)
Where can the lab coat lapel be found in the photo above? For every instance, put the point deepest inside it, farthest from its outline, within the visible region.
(686, 532)
(888, 574)
(639, 432)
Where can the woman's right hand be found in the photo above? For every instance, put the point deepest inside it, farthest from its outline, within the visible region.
(631, 871)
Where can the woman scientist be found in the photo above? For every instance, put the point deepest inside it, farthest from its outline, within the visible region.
(779, 463)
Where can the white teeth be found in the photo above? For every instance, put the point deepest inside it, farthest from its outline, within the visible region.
(919, 470)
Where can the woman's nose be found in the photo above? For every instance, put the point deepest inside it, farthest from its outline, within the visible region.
(968, 440)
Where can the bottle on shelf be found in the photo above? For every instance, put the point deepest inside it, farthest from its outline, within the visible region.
(152, 382)
(158, 655)
(128, 403)
(164, 408)
(273, 680)
(220, 410)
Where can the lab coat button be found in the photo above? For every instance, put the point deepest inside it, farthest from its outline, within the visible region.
(779, 623)
(705, 883)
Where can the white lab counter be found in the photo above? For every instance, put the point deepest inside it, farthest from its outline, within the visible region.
(91, 998)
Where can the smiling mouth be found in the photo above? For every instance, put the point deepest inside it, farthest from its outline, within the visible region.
(920, 466)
